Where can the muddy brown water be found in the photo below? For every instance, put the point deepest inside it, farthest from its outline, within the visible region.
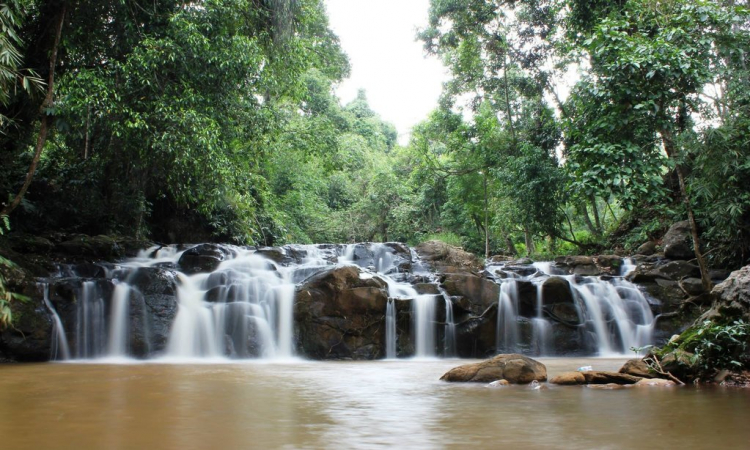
(304, 404)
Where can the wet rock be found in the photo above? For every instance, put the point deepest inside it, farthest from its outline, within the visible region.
(607, 386)
(100, 247)
(656, 382)
(514, 368)
(499, 383)
(475, 336)
(609, 263)
(636, 368)
(30, 337)
(677, 242)
(26, 243)
(480, 292)
(676, 270)
(427, 288)
(202, 258)
(556, 290)
(604, 377)
(340, 314)
(275, 254)
(568, 379)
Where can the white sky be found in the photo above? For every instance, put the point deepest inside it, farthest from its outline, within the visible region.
(402, 84)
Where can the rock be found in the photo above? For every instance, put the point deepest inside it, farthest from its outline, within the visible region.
(556, 290)
(647, 249)
(427, 288)
(607, 386)
(658, 382)
(609, 263)
(693, 286)
(568, 379)
(100, 247)
(677, 242)
(676, 270)
(732, 297)
(202, 258)
(440, 255)
(604, 377)
(514, 368)
(499, 383)
(26, 243)
(480, 292)
(475, 336)
(339, 314)
(637, 368)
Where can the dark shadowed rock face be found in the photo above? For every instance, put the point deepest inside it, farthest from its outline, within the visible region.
(677, 242)
(339, 314)
(514, 368)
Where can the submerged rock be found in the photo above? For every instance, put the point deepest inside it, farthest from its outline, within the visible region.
(568, 379)
(514, 368)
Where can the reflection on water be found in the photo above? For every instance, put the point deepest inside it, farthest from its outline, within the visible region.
(345, 404)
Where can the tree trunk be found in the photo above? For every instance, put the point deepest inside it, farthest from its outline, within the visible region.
(529, 241)
(45, 117)
(597, 220)
(586, 219)
(486, 221)
(671, 150)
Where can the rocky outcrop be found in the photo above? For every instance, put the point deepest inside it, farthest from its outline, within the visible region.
(447, 258)
(732, 297)
(637, 368)
(677, 242)
(514, 368)
(339, 314)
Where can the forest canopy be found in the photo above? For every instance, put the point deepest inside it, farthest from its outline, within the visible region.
(217, 120)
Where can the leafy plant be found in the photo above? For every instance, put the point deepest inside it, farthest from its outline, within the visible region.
(6, 296)
(716, 346)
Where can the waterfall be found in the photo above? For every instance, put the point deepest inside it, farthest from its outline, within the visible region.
(118, 330)
(390, 329)
(59, 347)
(91, 335)
(507, 324)
(423, 307)
(449, 341)
(542, 329)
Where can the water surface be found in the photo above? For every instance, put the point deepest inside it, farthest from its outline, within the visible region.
(304, 404)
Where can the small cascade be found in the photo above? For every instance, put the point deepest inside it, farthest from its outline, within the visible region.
(449, 341)
(507, 336)
(91, 330)
(390, 329)
(118, 329)
(59, 349)
(628, 265)
(541, 328)
(617, 312)
(423, 307)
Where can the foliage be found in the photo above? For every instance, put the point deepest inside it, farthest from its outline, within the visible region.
(6, 296)
(716, 346)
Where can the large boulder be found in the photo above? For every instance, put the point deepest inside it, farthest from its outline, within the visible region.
(732, 297)
(514, 368)
(637, 368)
(340, 314)
(202, 258)
(677, 242)
(480, 292)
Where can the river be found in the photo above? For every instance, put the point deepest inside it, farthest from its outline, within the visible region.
(305, 404)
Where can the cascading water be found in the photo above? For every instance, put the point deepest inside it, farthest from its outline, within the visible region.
(541, 327)
(390, 329)
(59, 348)
(507, 324)
(449, 343)
(243, 306)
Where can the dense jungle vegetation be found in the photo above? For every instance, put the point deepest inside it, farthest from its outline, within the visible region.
(216, 120)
